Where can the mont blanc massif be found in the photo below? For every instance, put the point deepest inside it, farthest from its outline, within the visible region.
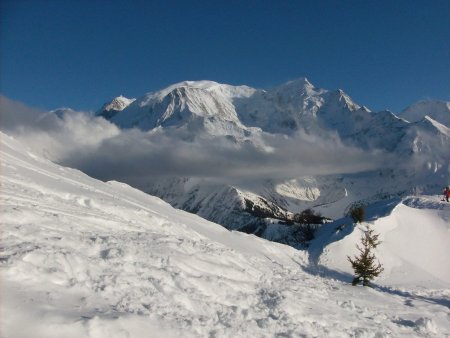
(300, 119)
(113, 256)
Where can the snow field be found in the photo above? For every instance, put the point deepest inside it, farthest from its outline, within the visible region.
(83, 258)
(415, 245)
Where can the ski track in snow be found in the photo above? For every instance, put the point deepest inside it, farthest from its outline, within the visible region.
(83, 258)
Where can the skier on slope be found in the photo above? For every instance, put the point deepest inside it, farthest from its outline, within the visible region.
(446, 193)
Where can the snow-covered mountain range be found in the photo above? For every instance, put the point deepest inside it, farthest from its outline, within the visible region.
(416, 144)
(84, 258)
(220, 109)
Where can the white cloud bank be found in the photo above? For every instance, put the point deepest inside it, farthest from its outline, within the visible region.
(102, 150)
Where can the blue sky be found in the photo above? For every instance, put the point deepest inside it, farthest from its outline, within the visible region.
(80, 53)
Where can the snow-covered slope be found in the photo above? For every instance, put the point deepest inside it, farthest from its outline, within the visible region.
(83, 258)
(437, 110)
(234, 208)
(415, 242)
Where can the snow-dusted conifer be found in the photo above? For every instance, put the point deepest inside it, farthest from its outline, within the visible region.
(364, 265)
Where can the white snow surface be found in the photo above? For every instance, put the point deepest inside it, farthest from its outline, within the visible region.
(84, 258)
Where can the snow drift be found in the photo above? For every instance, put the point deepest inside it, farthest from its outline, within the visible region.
(415, 236)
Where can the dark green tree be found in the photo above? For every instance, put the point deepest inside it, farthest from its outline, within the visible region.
(364, 265)
(357, 214)
(309, 216)
(305, 233)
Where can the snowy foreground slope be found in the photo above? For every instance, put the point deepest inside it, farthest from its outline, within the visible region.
(83, 258)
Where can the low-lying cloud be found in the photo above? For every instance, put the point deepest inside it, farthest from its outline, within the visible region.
(102, 150)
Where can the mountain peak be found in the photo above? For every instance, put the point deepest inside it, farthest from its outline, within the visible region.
(437, 110)
(224, 90)
(118, 103)
(296, 90)
(202, 84)
(300, 81)
(111, 108)
(300, 84)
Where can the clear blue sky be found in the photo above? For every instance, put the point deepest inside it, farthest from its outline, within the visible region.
(80, 53)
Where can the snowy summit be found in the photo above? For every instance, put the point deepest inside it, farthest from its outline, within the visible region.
(117, 104)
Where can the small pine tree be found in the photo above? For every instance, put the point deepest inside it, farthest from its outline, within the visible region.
(308, 216)
(305, 233)
(364, 265)
(357, 214)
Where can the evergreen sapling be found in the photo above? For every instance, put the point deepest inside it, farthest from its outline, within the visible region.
(364, 265)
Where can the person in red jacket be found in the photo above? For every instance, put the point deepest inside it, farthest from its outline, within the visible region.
(447, 193)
